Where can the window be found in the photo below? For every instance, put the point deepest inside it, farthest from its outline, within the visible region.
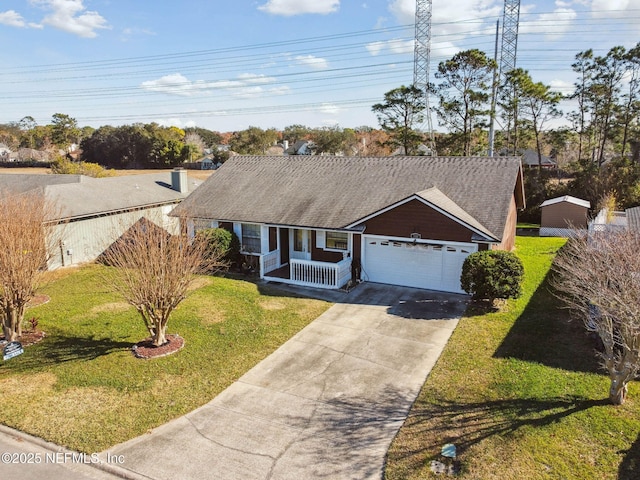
(250, 238)
(336, 240)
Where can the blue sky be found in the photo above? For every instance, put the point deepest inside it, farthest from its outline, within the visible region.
(268, 63)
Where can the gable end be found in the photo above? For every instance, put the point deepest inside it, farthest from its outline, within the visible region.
(415, 216)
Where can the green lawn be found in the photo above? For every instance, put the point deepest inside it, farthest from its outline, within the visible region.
(520, 394)
(81, 387)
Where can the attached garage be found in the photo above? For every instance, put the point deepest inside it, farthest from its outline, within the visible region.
(419, 264)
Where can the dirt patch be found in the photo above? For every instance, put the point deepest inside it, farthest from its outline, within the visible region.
(211, 317)
(113, 307)
(199, 283)
(23, 170)
(28, 384)
(38, 299)
(145, 349)
(272, 304)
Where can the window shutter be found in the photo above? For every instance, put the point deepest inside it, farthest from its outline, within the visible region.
(320, 239)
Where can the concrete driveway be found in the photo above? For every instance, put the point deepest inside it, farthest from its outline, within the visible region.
(325, 405)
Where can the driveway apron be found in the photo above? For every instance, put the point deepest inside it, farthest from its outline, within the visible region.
(325, 405)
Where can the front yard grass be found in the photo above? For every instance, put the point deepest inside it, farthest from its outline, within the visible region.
(520, 393)
(81, 387)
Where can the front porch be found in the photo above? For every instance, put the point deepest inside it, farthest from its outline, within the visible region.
(306, 273)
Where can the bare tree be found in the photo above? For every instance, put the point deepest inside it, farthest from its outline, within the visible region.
(25, 245)
(598, 276)
(152, 269)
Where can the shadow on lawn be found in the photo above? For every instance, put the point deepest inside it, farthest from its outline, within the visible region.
(545, 333)
(465, 424)
(630, 467)
(56, 349)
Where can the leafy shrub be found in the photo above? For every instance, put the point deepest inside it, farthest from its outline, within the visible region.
(65, 166)
(492, 274)
(222, 242)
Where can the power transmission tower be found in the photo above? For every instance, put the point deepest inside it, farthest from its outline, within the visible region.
(508, 54)
(421, 59)
(509, 47)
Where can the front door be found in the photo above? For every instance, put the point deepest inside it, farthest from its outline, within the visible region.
(284, 246)
(301, 242)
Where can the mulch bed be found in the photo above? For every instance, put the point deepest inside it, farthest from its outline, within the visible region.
(146, 350)
(38, 299)
(31, 337)
(28, 338)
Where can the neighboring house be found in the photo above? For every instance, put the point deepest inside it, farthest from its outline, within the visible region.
(30, 154)
(275, 150)
(301, 147)
(530, 159)
(561, 214)
(96, 211)
(208, 163)
(5, 152)
(320, 221)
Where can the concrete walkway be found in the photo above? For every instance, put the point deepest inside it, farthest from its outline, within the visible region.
(325, 405)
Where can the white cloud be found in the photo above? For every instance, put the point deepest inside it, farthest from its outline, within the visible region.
(175, 122)
(403, 10)
(128, 33)
(614, 8)
(12, 18)
(289, 8)
(255, 78)
(554, 25)
(444, 50)
(375, 48)
(454, 20)
(561, 86)
(396, 46)
(72, 16)
(283, 90)
(249, 92)
(312, 62)
(247, 85)
(330, 109)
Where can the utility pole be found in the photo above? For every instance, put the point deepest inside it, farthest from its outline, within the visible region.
(496, 77)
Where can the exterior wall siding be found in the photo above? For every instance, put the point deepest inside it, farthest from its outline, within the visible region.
(563, 215)
(83, 241)
(509, 235)
(320, 255)
(416, 217)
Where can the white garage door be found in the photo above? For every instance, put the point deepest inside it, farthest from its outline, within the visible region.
(420, 265)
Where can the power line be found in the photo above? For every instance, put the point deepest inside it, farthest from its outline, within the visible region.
(111, 82)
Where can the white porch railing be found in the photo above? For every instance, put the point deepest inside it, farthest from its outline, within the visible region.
(320, 274)
(269, 262)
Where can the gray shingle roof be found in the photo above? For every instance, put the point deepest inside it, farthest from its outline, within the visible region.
(24, 182)
(334, 192)
(78, 196)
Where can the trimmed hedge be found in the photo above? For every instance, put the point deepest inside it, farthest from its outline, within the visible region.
(492, 274)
